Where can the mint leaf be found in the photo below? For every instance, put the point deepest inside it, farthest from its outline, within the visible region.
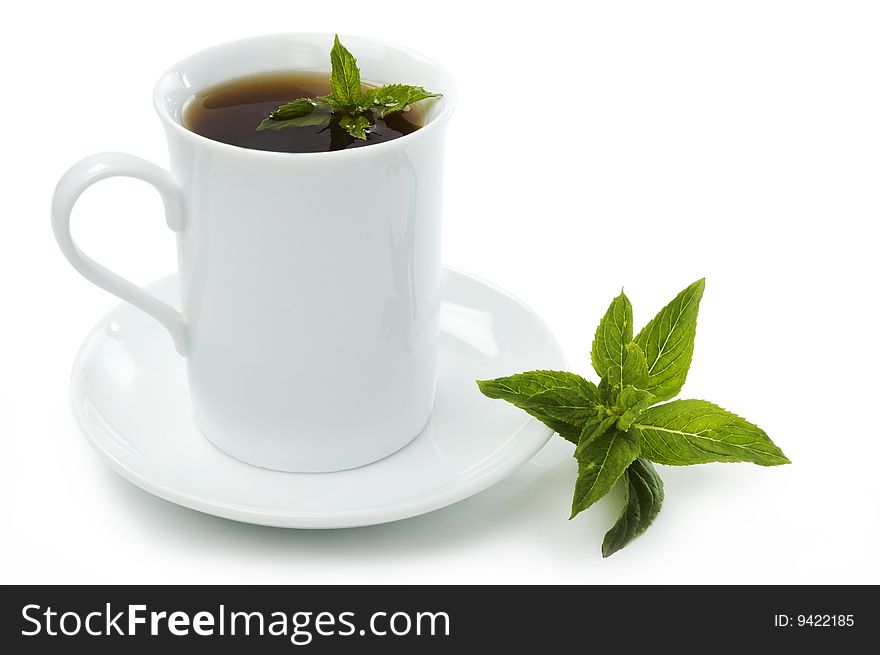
(345, 77)
(294, 109)
(320, 117)
(562, 404)
(601, 462)
(633, 370)
(303, 112)
(594, 427)
(614, 332)
(562, 401)
(357, 126)
(357, 110)
(620, 431)
(687, 432)
(668, 342)
(331, 101)
(630, 404)
(607, 393)
(393, 97)
(642, 498)
(311, 120)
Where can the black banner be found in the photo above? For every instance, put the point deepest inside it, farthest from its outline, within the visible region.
(328, 619)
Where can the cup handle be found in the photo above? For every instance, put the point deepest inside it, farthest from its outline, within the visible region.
(81, 176)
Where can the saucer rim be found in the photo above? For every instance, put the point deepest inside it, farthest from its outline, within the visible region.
(499, 467)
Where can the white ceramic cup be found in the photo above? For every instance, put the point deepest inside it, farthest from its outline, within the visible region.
(310, 282)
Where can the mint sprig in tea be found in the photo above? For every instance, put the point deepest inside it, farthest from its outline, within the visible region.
(307, 111)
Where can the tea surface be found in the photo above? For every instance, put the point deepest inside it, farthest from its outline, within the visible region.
(232, 111)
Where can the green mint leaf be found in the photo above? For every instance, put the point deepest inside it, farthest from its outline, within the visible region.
(315, 119)
(687, 432)
(601, 462)
(303, 112)
(562, 401)
(620, 431)
(357, 126)
(294, 109)
(614, 332)
(312, 120)
(630, 404)
(668, 342)
(354, 107)
(594, 427)
(569, 405)
(607, 393)
(332, 103)
(393, 97)
(345, 77)
(633, 369)
(642, 498)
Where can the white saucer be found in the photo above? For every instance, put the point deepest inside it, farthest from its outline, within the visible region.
(130, 399)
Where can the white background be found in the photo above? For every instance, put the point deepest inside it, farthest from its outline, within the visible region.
(596, 145)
